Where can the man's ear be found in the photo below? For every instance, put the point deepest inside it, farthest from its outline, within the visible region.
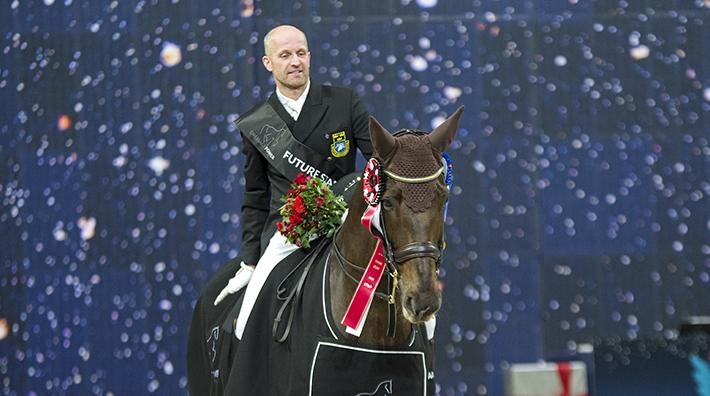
(267, 63)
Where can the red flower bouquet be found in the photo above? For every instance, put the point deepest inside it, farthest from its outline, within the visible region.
(310, 210)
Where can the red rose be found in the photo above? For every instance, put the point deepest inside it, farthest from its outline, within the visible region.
(299, 206)
(295, 219)
(301, 178)
(320, 201)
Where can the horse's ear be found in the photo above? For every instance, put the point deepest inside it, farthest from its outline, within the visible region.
(442, 136)
(382, 140)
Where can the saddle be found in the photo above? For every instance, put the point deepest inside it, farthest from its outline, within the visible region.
(288, 291)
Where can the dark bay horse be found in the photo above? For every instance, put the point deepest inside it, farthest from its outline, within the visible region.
(294, 342)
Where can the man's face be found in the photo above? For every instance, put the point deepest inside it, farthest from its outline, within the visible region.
(288, 59)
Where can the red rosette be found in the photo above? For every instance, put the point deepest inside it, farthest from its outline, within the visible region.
(373, 182)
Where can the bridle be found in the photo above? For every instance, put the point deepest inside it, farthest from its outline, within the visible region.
(414, 249)
(396, 257)
(401, 255)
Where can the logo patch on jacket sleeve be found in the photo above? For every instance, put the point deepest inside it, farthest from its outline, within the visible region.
(341, 145)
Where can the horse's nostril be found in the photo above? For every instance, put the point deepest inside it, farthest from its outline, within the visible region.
(411, 304)
(423, 311)
(420, 309)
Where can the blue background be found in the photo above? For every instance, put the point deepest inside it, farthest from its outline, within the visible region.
(580, 207)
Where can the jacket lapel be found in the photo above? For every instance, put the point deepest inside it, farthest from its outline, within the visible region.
(311, 115)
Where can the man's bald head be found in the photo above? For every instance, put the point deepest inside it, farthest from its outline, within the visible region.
(288, 59)
(279, 32)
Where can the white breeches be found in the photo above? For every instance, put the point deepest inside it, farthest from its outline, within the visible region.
(276, 251)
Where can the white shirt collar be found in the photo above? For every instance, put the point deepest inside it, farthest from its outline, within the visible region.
(294, 107)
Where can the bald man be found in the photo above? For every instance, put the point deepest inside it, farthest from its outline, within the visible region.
(302, 127)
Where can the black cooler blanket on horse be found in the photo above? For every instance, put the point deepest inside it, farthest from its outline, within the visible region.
(210, 347)
(314, 360)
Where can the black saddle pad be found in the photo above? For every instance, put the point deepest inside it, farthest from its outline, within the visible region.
(340, 369)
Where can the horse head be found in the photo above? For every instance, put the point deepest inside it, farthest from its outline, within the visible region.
(411, 194)
(412, 210)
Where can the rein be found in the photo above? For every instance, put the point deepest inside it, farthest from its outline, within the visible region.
(288, 296)
(342, 261)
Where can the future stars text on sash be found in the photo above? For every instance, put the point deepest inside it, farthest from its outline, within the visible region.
(306, 168)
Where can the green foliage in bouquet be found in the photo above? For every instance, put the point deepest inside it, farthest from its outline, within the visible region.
(310, 210)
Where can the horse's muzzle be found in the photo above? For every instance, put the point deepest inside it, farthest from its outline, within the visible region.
(421, 308)
(418, 263)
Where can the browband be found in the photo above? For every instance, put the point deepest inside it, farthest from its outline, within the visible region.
(415, 179)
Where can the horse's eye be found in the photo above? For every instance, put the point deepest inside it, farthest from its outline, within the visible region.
(387, 203)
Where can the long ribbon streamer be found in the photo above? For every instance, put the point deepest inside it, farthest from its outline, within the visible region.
(355, 315)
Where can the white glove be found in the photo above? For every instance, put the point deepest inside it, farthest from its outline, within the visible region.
(240, 279)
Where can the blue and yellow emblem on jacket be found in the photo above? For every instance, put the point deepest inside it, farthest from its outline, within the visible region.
(341, 145)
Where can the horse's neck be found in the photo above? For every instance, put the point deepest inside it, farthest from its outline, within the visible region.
(357, 246)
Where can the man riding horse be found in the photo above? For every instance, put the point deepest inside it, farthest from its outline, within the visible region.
(401, 201)
(333, 328)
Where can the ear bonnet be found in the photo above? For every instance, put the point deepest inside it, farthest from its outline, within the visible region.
(416, 159)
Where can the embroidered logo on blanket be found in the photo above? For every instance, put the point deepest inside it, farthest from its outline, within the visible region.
(383, 388)
(212, 343)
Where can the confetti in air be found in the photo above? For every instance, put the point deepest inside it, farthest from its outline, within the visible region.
(247, 8)
(418, 63)
(4, 329)
(59, 233)
(170, 55)
(452, 93)
(640, 52)
(64, 122)
(87, 225)
(427, 3)
(158, 165)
